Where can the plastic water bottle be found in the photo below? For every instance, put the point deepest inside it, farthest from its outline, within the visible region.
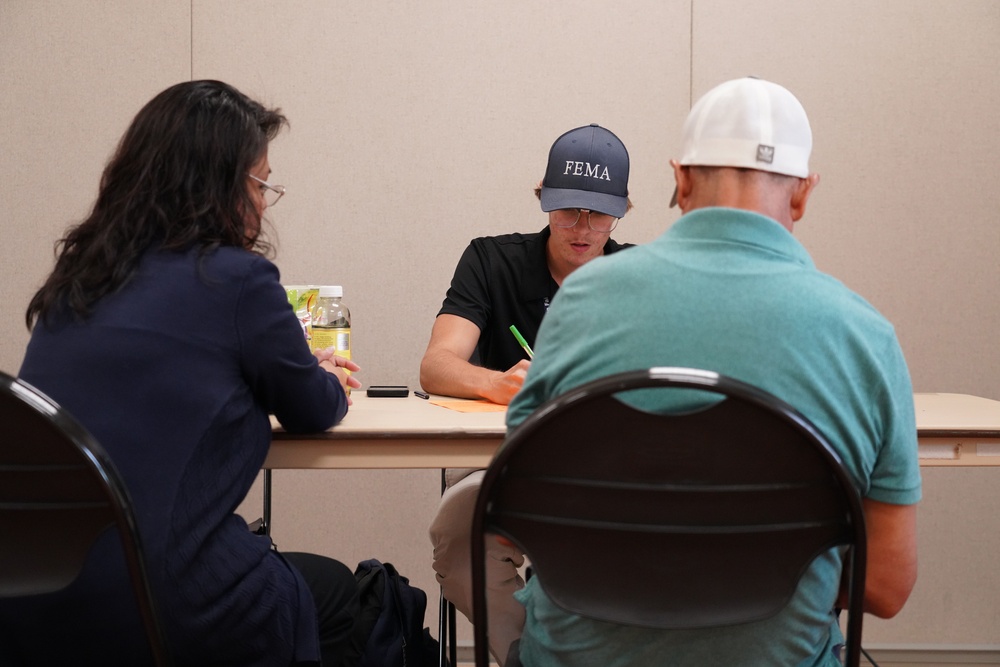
(331, 322)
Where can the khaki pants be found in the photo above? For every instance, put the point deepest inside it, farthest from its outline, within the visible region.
(451, 535)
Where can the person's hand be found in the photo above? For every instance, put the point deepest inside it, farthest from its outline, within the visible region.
(338, 366)
(504, 385)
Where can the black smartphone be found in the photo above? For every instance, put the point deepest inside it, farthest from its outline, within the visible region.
(388, 391)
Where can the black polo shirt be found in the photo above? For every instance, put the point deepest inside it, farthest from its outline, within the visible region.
(500, 281)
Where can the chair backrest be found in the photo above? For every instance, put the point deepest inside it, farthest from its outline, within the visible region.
(58, 492)
(714, 511)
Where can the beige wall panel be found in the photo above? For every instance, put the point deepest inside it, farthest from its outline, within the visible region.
(902, 97)
(416, 127)
(956, 601)
(72, 76)
(419, 125)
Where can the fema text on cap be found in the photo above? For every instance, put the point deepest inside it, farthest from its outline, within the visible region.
(586, 169)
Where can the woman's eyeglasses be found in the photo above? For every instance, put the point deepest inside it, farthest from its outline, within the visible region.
(271, 193)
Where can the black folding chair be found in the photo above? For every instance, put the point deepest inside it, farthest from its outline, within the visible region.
(58, 492)
(715, 511)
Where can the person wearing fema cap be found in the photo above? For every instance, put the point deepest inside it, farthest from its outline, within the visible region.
(510, 280)
(727, 288)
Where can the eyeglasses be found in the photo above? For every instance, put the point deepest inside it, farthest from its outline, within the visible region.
(599, 222)
(271, 193)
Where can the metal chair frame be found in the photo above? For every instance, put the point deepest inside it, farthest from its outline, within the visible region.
(716, 508)
(59, 491)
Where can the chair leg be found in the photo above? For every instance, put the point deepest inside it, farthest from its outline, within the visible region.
(443, 632)
(267, 502)
(453, 653)
(448, 641)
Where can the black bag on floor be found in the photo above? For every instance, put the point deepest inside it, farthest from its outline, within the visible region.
(390, 631)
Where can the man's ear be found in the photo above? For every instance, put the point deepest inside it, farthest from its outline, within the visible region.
(800, 196)
(682, 193)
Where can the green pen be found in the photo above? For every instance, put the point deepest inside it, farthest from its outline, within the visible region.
(520, 339)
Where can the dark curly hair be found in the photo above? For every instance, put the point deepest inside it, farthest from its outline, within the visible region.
(177, 179)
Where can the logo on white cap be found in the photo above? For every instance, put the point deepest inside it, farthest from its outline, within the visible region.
(765, 153)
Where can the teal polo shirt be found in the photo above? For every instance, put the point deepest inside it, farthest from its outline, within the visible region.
(734, 292)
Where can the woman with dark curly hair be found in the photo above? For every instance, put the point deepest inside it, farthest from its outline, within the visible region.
(164, 329)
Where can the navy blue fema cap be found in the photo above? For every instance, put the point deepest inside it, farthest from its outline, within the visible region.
(588, 168)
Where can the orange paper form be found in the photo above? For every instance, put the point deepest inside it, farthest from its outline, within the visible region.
(481, 405)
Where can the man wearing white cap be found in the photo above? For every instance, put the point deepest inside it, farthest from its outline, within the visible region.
(729, 289)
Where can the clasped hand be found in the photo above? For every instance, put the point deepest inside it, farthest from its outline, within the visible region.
(338, 366)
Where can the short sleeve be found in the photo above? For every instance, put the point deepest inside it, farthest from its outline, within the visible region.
(895, 477)
(468, 297)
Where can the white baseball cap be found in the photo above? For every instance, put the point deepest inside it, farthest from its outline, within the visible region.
(748, 123)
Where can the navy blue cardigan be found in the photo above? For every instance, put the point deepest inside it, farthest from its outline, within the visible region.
(175, 375)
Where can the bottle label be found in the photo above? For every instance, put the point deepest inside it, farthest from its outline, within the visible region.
(339, 338)
(344, 342)
(303, 299)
